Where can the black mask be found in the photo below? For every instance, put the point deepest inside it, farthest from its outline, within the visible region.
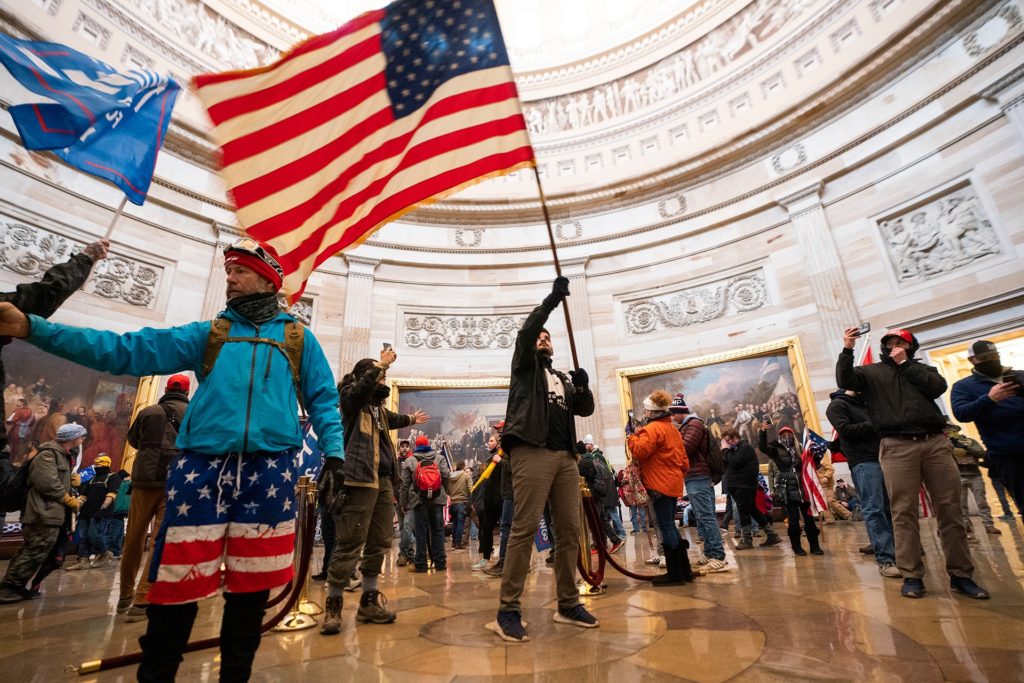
(992, 368)
(380, 392)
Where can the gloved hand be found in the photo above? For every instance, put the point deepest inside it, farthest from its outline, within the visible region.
(559, 290)
(580, 378)
(629, 427)
(71, 502)
(331, 480)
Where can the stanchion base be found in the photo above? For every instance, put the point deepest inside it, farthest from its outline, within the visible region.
(296, 621)
(309, 607)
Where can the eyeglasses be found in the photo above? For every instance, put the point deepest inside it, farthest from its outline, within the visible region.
(250, 246)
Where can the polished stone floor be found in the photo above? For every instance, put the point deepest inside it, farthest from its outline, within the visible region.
(773, 617)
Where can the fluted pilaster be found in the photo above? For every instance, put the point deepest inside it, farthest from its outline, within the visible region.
(355, 343)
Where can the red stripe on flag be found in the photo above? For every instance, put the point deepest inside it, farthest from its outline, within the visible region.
(189, 590)
(279, 92)
(192, 552)
(314, 43)
(250, 582)
(261, 546)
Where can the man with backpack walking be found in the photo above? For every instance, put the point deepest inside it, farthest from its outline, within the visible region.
(424, 482)
(153, 434)
(232, 488)
(47, 496)
(706, 466)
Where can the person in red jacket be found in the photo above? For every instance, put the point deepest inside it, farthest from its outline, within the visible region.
(658, 448)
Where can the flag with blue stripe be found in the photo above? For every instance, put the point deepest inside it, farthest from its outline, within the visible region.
(104, 122)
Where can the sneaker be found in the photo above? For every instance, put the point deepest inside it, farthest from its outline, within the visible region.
(576, 616)
(135, 613)
(867, 549)
(593, 551)
(616, 547)
(479, 565)
(655, 560)
(1007, 518)
(510, 627)
(495, 569)
(662, 562)
(83, 563)
(634, 531)
(770, 541)
(889, 570)
(102, 561)
(373, 609)
(123, 604)
(745, 544)
(992, 530)
(966, 586)
(912, 588)
(714, 565)
(332, 617)
(703, 560)
(322, 576)
(402, 561)
(9, 594)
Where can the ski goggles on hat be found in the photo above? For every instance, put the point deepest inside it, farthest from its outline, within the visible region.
(250, 246)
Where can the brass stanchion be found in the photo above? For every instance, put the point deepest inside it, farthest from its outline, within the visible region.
(302, 614)
(592, 582)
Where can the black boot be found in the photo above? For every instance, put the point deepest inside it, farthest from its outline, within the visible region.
(794, 540)
(673, 575)
(167, 632)
(812, 539)
(685, 570)
(240, 634)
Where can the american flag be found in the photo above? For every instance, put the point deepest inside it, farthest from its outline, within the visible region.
(815, 447)
(353, 128)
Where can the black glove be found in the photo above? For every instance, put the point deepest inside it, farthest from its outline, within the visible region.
(559, 290)
(330, 481)
(580, 378)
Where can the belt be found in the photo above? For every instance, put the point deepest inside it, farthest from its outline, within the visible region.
(914, 437)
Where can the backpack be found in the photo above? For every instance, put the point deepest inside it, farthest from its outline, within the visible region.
(714, 458)
(603, 483)
(633, 490)
(291, 347)
(428, 478)
(124, 498)
(13, 485)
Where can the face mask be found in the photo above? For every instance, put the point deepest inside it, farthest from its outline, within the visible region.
(381, 392)
(992, 368)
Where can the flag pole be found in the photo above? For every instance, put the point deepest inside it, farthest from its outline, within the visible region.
(117, 215)
(558, 266)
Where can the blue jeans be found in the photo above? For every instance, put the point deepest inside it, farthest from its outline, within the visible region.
(92, 532)
(616, 517)
(508, 508)
(867, 477)
(638, 517)
(702, 502)
(665, 518)
(457, 513)
(115, 535)
(406, 543)
(429, 530)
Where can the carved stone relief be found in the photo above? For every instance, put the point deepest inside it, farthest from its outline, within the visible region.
(30, 251)
(567, 232)
(478, 332)
(788, 159)
(92, 30)
(135, 59)
(672, 206)
(992, 32)
(807, 62)
(879, 8)
(846, 34)
(697, 305)
(469, 237)
(700, 60)
(946, 234)
(302, 310)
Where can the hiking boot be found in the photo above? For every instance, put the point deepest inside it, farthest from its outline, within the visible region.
(83, 563)
(889, 570)
(966, 586)
(135, 613)
(372, 609)
(992, 530)
(510, 627)
(123, 604)
(495, 569)
(332, 617)
(913, 588)
(576, 616)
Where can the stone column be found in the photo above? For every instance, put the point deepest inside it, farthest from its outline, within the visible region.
(355, 343)
(579, 312)
(216, 293)
(1008, 92)
(822, 265)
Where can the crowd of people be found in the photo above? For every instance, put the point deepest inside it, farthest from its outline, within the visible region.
(215, 474)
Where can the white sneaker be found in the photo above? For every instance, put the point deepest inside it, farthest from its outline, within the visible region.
(654, 560)
(661, 563)
(704, 559)
(714, 565)
(479, 565)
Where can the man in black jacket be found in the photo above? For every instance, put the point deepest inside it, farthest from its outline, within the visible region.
(44, 297)
(540, 437)
(900, 393)
(858, 442)
(153, 434)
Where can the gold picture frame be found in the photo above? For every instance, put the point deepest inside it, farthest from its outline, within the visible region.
(457, 416)
(789, 346)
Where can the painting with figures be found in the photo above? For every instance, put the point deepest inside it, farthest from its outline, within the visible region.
(731, 391)
(44, 392)
(461, 417)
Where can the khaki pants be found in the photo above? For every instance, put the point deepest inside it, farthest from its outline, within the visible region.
(363, 528)
(907, 464)
(147, 505)
(540, 477)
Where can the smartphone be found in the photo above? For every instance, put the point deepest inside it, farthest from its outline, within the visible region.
(630, 415)
(386, 346)
(767, 421)
(863, 329)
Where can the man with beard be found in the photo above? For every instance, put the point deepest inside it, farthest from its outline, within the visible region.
(360, 490)
(900, 394)
(231, 492)
(992, 397)
(540, 437)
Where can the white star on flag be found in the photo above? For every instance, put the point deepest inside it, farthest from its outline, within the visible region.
(205, 492)
(272, 491)
(183, 509)
(171, 493)
(191, 476)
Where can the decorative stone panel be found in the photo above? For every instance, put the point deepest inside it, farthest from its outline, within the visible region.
(30, 250)
(302, 311)
(695, 305)
(479, 332)
(948, 232)
(567, 232)
(469, 237)
(91, 30)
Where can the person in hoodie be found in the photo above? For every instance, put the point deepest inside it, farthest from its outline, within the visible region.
(458, 501)
(741, 472)
(900, 393)
(859, 442)
(427, 503)
(236, 474)
(992, 397)
(786, 454)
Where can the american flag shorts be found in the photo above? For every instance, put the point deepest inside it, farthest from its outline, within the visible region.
(234, 510)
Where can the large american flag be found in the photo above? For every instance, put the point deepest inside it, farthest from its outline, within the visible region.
(353, 128)
(815, 447)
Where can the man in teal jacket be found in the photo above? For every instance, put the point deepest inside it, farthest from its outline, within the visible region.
(231, 493)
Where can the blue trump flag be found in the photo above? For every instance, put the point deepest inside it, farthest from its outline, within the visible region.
(101, 121)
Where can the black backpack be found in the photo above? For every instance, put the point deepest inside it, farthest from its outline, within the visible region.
(714, 458)
(13, 485)
(603, 482)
